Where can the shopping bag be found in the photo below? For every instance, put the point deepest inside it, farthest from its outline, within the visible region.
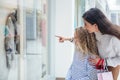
(105, 75)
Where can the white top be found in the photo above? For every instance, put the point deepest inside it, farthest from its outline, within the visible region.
(109, 48)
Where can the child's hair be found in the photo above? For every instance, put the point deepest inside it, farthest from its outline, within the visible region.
(86, 42)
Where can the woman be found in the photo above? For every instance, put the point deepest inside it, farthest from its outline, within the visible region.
(108, 39)
(85, 44)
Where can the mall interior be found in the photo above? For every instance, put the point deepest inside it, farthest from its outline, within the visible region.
(32, 26)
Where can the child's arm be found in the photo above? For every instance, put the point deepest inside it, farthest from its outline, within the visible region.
(62, 39)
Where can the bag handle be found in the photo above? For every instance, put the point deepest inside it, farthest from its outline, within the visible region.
(99, 64)
(105, 65)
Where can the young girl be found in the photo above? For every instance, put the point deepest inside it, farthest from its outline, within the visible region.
(85, 48)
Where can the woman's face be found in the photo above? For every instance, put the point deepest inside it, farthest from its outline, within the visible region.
(91, 28)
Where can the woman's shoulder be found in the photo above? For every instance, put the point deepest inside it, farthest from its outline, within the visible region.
(112, 39)
(115, 39)
(115, 42)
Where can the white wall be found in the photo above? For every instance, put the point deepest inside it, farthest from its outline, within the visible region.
(63, 26)
(8, 3)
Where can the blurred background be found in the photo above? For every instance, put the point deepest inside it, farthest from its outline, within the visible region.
(38, 55)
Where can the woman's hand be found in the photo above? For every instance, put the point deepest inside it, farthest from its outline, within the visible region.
(94, 61)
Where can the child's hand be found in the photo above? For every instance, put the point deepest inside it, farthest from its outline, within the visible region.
(61, 39)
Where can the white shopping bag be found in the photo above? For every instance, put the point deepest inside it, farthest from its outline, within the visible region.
(105, 76)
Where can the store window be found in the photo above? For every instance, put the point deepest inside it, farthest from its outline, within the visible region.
(10, 40)
(25, 21)
(36, 39)
(79, 10)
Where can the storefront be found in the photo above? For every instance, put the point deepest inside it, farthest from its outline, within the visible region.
(33, 60)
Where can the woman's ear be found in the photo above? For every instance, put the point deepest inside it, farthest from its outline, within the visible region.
(96, 27)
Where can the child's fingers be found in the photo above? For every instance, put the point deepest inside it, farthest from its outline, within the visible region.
(58, 36)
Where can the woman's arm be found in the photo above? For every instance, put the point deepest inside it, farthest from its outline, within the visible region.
(114, 61)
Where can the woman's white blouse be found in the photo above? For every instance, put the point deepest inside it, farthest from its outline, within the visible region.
(109, 48)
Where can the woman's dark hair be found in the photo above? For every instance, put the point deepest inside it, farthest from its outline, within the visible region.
(96, 16)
